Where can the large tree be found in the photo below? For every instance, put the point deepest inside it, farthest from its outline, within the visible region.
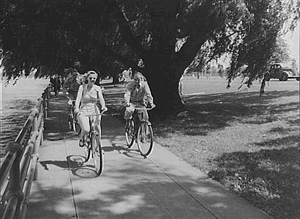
(167, 35)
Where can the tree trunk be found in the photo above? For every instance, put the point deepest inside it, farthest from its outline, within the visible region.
(115, 79)
(164, 88)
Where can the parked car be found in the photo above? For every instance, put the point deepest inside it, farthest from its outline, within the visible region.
(277, 71)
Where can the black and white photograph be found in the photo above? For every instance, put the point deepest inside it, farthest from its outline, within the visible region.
(149, 109)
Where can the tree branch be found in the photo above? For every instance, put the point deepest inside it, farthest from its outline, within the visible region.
(190, 49)
(125, 29)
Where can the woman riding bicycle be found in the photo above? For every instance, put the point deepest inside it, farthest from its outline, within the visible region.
(86, 104)
(136, 96)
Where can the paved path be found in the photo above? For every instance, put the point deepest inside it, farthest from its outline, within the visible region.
(161, 186)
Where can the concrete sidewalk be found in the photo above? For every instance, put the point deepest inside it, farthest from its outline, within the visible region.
(161, 186)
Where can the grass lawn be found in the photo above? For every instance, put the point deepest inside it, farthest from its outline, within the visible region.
(249, 144)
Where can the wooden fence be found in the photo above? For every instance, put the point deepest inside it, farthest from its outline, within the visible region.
(18, 169)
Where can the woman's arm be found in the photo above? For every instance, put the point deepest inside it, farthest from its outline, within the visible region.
(100, 97)
(148, 95)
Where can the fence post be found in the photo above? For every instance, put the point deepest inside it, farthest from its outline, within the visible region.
(35, 113)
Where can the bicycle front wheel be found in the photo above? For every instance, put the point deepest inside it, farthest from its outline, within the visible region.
(129, 134)
(97, 154)
(145, 139)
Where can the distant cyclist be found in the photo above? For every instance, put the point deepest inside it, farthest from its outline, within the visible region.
(137, 95)
(72, 83)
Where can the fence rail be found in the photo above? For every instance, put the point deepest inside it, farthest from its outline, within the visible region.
(18, 169)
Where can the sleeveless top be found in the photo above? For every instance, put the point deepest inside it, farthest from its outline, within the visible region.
(88, 102)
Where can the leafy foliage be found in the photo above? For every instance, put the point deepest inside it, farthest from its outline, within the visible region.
(168, 35)
(280, 52)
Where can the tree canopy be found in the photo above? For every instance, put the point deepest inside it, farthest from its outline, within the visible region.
(167, 35)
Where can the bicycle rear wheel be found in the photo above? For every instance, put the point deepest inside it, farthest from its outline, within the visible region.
(97, 154)
(145, 139)
(129, 134)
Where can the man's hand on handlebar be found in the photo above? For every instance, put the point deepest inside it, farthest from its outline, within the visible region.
(152, 106)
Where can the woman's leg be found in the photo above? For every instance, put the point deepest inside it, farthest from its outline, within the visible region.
(84, 124)
(129, 111)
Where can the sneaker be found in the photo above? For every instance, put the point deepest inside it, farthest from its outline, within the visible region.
(81, 142)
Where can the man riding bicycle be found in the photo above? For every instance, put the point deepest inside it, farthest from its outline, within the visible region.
(71, 84)
(137, 95)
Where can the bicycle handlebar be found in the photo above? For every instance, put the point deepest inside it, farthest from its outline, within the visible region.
(141, 108)
(97, 114)
(144, 108)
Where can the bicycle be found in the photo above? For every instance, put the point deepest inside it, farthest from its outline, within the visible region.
(140, 131)
(93, 146)
(72, 120)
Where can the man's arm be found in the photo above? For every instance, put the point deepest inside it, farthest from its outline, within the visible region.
(148, 95)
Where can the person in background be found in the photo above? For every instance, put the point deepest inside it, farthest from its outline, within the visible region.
(55, 81)
(137, 95)
(71, 84)
(88, 97)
